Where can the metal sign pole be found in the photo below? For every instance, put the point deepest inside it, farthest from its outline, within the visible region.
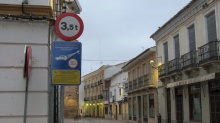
(27, 74)
(26, 98)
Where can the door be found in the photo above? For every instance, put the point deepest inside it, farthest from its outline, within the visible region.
(215, 101)
(168, 106)
(97, 110)
(139, 108)
(179, 105)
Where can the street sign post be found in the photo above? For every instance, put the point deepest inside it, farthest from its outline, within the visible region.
(66, 63)
(69, 26)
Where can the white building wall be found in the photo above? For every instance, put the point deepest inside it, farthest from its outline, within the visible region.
(118, 78)
(13, 38)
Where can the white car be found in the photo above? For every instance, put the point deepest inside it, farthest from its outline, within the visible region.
(61, 57)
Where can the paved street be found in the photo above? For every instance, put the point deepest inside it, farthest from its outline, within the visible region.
(93, 120)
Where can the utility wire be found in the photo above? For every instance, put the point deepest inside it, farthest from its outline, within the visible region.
(101, 60)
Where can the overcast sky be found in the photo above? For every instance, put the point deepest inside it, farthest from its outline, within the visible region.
(115, 31)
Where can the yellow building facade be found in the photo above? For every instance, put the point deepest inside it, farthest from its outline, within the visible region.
(94, 85)
(188, 44)
(142, 88)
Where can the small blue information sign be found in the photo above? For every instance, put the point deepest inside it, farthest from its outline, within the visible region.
(66, 63)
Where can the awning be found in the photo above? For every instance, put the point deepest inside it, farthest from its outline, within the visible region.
(192, 80)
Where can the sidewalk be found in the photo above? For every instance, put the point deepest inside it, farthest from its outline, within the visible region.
(69, 120)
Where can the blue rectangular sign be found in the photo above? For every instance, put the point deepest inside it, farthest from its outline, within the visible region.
(66, 63)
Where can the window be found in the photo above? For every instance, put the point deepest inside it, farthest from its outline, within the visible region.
(149, 70)
(106, 110)
(134, 75)
(211, 27)
(144, 69)
(151, 105)
(120, 91)
(191, 38)
(145, 113)
(129, 76)
(195, 102)
(115, 94)
(138, 72)
(165, 46)
(177, 47)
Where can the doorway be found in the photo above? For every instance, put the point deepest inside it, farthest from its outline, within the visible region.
(179, 105)
(97, 110)
(139, 108)
(214, 88)
(168, 106)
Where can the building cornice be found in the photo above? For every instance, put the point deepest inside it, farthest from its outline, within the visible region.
(14, 9)
(191, 9)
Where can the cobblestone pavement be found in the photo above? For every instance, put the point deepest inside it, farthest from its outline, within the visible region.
(93, 120)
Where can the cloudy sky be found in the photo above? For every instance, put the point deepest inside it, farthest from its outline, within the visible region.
(118, 30)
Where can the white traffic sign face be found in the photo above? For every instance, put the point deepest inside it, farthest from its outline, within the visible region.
(69, 26)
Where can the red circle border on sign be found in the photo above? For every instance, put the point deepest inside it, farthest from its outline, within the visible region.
(66, 38)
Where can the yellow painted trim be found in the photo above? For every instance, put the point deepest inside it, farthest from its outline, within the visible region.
(13, 9)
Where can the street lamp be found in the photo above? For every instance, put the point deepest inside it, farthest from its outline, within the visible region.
(152, 62)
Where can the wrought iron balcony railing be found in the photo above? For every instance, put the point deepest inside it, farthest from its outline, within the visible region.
(163, 70)
(135, 84)
(130, 86)
(209, 52)
(140, 82)
(174, 66)
(126, 86)
(146, 80)
(189, 60)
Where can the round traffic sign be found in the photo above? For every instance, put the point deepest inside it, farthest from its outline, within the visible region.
(69, 26)
(72, 63)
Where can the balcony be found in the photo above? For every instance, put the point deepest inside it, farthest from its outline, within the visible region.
(174, 66)
(140, 82)
(100, 82)
(113, 98)
(208, 52)
(130, 86)
(134, 84)
(163, 70)
(146, 80)
(126, 86)
(100, 96)
(189, 60)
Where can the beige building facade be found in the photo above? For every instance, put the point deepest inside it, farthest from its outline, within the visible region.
(142, 87)
(188, 50)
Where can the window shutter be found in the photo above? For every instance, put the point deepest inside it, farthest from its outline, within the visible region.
(211, 27)
(177, 47)
(192, 39)
(165, 52)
